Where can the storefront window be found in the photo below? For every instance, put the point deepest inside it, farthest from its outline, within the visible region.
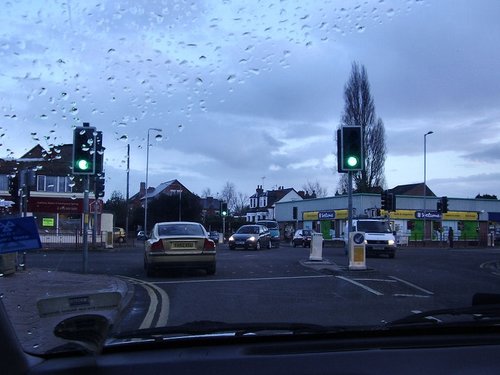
(59, 184)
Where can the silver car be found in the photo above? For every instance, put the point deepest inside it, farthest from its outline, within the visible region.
(179, 245)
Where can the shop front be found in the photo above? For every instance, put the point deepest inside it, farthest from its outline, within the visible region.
(329, 223)
(409, 225)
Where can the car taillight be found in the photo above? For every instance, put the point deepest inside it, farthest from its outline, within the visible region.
(209, 244)
(157, 246)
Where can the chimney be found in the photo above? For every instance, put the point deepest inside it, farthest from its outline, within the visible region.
(142, 189)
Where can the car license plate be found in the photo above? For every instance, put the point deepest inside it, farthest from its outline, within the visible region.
(239, 242)
(182, 245)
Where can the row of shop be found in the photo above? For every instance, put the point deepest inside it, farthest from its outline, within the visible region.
(470, 220)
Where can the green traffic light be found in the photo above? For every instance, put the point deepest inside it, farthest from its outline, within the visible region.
(352, 161)
(83, 165)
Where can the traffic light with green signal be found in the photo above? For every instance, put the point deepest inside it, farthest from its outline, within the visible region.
(350, 147)
(223, 208)
(84, 140)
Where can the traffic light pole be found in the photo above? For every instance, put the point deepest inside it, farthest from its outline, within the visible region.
(86, 189)
(349, 210)
(223, 228)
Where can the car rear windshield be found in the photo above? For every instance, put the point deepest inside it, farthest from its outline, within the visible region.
(180, 230)
(374, 226)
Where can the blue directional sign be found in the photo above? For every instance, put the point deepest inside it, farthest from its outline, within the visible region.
(18, 234)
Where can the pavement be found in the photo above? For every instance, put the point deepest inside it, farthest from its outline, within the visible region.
(36, 300)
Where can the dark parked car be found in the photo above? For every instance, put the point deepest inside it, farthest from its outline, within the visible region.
(141, 236)
(274, 229)
(214, 236)
(251, 237)
(302, 237)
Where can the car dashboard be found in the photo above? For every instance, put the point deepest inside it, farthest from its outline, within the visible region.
(400, 352)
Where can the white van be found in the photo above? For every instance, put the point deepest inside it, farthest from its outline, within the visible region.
(379, 237)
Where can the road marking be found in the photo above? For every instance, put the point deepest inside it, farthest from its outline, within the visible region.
(384, 280)
(163, 309)
(246, 279)
(153, 304)
(361, 285)
(410, 295)
(412, 285)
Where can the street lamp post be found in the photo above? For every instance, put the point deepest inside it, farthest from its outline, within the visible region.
(425, 180)
(147, 172)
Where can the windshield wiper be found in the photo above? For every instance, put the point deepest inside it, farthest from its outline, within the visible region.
(485, 309)
(207, 327)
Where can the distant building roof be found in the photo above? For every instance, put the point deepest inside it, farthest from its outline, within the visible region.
(164, 187)
(56, 160)
(412, 189)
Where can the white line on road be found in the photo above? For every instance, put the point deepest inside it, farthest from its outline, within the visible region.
(361, 285)
(410, 295)
(384, 280)
(246, 279)
(412, 285)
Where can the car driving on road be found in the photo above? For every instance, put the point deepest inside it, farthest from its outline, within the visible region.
(274, 229)
(302, 237)
(251, 237)
(179, 245)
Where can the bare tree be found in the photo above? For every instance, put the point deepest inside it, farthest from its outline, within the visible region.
(359, 109)
(206, 193)
(241, 205)
(315, 188)
(228, 195)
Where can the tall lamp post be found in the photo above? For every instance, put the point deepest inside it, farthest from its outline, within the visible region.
(425, 179)
(147, 172)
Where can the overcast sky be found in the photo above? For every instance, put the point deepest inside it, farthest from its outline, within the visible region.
(251, 92)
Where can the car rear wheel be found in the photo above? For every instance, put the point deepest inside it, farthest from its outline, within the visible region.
(211, 270)
(148, 269)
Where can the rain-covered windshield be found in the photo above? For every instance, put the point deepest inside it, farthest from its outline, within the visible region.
(300, 114)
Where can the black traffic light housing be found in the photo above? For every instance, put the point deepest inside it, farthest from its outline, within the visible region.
(14, 186)
(84, 145)
(350, 156)
(388, 201)
(223, 208)
(99, 154)
(99, 181)
(444, 204)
